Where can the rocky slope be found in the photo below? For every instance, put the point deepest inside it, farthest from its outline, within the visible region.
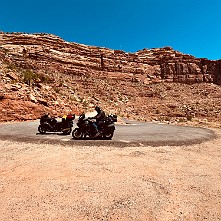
(42, 72)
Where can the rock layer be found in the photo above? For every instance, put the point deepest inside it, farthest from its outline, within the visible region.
(42, 51)
(45, 73)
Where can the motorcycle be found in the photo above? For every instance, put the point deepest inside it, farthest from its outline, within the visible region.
(86, 129)
(50, 124)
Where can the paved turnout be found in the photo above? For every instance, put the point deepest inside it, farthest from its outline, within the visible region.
(131, 134)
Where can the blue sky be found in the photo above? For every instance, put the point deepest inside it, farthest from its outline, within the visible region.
(190, 26)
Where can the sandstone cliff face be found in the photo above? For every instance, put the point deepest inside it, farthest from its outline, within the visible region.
(42, 72)
(48, 52)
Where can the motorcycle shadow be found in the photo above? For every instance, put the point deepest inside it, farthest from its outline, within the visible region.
(90, 138)
(52, 133)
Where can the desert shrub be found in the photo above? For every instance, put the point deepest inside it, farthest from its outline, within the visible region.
(29, 77)
(12, 66)
(189, 117)
(57, 90)
(167, 118)
(44, 78)
(181, 120)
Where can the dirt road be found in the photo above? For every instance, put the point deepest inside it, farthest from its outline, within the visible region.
(54, 182)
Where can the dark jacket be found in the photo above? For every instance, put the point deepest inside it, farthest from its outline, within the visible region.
(100, 116)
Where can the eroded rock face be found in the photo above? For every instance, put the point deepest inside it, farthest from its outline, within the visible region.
(54, 75)
(48, 52)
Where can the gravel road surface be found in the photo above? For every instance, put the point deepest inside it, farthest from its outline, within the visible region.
(133, 183)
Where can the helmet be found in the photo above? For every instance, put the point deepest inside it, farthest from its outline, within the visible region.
(97, 108)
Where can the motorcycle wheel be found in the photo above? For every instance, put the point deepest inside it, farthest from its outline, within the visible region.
(77, 134)
(108, 136)
(42, 129)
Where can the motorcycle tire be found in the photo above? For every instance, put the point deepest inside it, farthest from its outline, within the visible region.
(42, 129)
(77, 134)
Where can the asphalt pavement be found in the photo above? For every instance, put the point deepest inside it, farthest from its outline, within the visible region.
(130, 134)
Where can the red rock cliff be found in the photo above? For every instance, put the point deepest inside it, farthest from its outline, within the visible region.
(42, 51)
(41, 72)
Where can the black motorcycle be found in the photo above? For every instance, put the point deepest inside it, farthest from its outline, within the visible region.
(50, 124)
(86, 129)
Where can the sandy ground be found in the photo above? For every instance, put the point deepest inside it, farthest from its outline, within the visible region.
(48, 182)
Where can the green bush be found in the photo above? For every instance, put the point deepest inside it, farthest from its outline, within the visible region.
(29, 77)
